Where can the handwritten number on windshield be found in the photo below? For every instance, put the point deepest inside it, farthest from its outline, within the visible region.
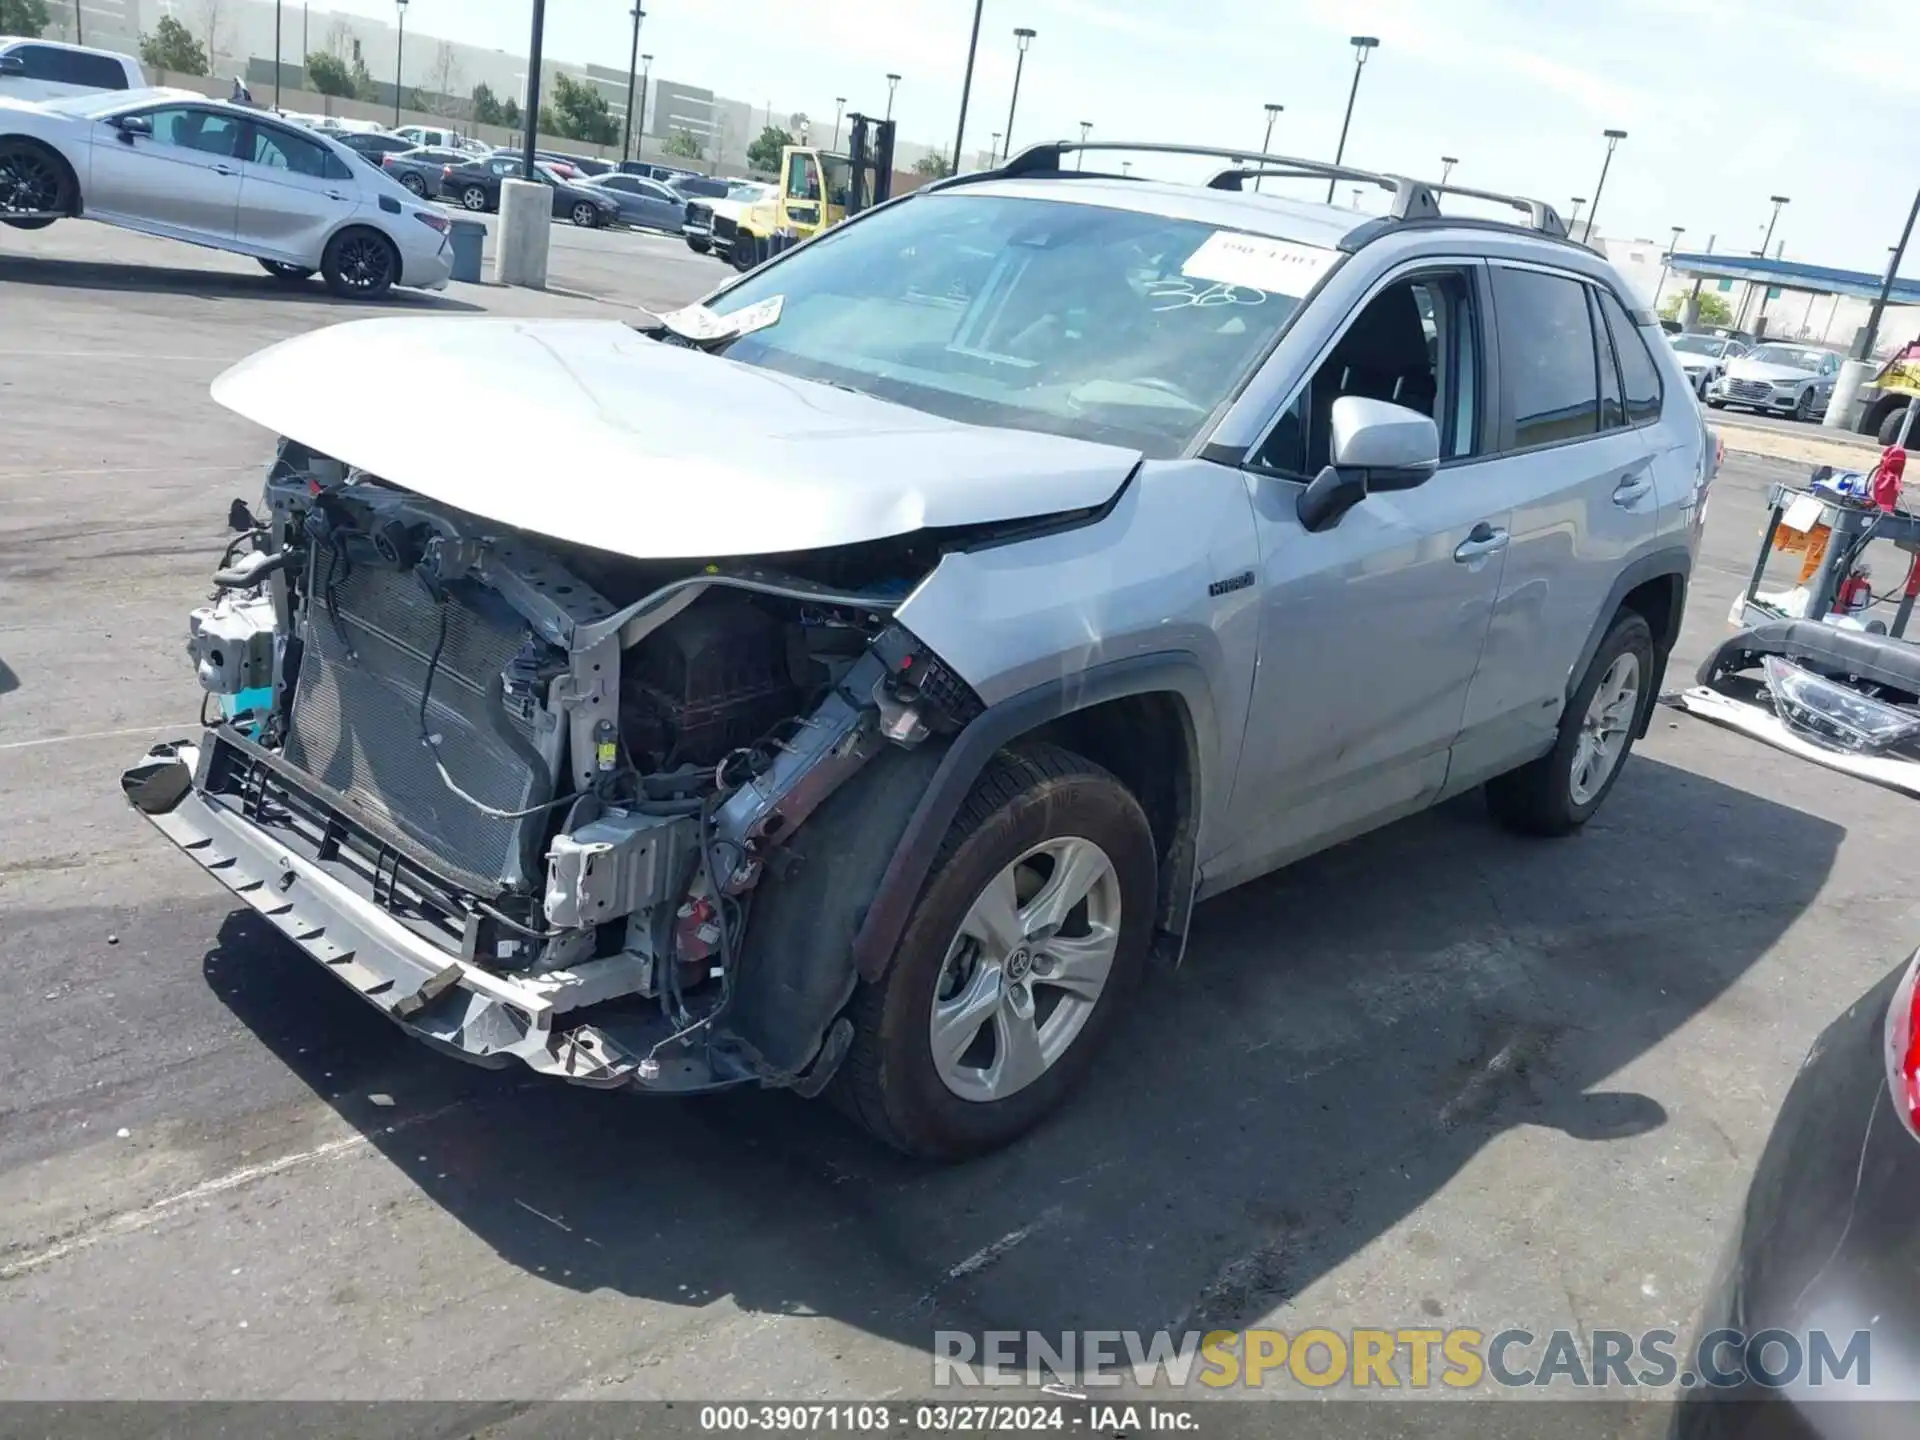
(1177, 292)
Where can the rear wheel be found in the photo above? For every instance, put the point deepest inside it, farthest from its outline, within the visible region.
(35, 185)
(585, 215)
(360, 264)
(1015, 964)
(745, 253)
(1559, 792)
(415, 184)
(474, 197)
(292, 274)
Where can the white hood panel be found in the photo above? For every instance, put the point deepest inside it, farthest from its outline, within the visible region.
(587, 431)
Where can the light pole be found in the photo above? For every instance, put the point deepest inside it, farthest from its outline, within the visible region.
(1447, 162)
(633, 75)
(1666, 260)
(993, 147)
(1772, 220)
(1079, 160)
(1266, 142)
(276, 54)
(1362, 45)
(966, 85)
(646, 74)
(1126, 167)
(1614, 137)
(1872, 332)
(1766, 239)
(1022, 37)
(399, 57)
(839, 109)
(1574, 218)
(79, 26)
(893, 84)
(532, 116)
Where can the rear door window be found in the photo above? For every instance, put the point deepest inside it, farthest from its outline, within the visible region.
(1547, 356)
(1637, 370)
(283, 150)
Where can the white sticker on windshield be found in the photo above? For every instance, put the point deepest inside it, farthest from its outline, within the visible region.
(700, 325)
(1259, 262)
(757, 316)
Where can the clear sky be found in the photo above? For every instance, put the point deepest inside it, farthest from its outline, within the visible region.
(1725, 102)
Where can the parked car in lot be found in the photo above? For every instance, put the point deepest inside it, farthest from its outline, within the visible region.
(374, 145)
(665, 174)
(439, 137)
(1775, 377)
(1704, 358)
(941, 612)
(1825, 1246)
(475, 185)
(420, 170)
(51, 70)
(709, 223)
(225, 176)
(645, 203)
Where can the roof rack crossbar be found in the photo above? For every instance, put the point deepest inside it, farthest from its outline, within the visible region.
(1412, 199)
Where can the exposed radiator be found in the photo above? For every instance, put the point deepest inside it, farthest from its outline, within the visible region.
(355, 717)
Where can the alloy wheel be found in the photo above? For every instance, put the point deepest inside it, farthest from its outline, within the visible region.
(365, 263)
(1604, 729)
(474, 198)
(29, 183)
(584, 214)
(1024, 972)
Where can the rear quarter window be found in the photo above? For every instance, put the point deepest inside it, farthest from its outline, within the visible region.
(1639, 376)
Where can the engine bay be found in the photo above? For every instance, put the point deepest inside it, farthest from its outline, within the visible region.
(568, 769)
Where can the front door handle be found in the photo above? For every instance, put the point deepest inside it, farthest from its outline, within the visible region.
(335, 195)
(225, 170)
(1632, 487)
(1483, 540)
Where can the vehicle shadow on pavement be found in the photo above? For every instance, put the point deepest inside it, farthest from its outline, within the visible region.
(1342, 1039)
(210, 284)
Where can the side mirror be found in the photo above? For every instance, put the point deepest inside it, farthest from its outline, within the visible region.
(1375, 445)
(12, 65)
(132, 125)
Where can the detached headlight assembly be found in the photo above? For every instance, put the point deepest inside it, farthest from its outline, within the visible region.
(1832, 714)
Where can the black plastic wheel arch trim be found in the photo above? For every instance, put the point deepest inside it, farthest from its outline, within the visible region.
(1175, 672)
(1673, 563)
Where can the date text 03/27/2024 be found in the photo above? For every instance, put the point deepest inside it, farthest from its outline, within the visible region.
(936, 1419)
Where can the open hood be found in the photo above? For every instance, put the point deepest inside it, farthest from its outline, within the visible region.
(587, 431)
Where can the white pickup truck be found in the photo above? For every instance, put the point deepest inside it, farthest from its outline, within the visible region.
(49, 70)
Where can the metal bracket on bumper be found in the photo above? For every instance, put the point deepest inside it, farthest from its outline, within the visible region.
(450, 1003)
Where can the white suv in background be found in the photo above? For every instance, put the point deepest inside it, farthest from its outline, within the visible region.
(48, 70)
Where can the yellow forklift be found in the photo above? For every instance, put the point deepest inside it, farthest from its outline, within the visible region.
(817, 188)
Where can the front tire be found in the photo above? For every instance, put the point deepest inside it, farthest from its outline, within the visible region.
(584, 215)
(474, 198)
(1890, 425)
(360, 264)
(1803, 408)
(1559, 792)
(35, 185)
(1716, 404)
(415, 184)
(699, 247)
(1015, 965)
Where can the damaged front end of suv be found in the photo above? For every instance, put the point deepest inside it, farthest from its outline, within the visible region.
(526, 796)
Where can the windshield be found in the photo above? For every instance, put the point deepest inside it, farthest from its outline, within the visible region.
(1790, 355)
(745, 192)
(1699, 345)
(1039, 314)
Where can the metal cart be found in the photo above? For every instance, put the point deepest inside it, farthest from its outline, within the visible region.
(1852, 527)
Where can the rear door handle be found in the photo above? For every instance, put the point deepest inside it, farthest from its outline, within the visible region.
(1632, 487)
(225, 170)
(336, 195)
(1483, 540)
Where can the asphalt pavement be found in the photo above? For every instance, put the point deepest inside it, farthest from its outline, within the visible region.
(1438, 1076)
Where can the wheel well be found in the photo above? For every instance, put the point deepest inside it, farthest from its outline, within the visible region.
(1877, 413)
(1147, 741)
(28, 142)
(1659, 602)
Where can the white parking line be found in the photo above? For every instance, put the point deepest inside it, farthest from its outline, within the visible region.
(129, 1222)
(96, 734)
(110, 355)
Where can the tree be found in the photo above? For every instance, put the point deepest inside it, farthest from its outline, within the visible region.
(1713, 309)
(764, 153)
(581, 112)
(330, 75)
(487, 109)
(510, 113)
(363, 82)
(24, 18)
(933, 165)
(683, 145)
(219, 38)
(171, 46)
(443, 79)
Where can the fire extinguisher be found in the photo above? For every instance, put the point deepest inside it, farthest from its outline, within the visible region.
(1855, 592)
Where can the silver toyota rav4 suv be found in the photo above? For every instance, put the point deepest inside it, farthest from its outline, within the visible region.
(923, 624)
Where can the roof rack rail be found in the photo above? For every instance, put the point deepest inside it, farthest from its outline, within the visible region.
(1412, 199)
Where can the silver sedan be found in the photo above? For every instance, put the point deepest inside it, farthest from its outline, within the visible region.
(230, 177)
